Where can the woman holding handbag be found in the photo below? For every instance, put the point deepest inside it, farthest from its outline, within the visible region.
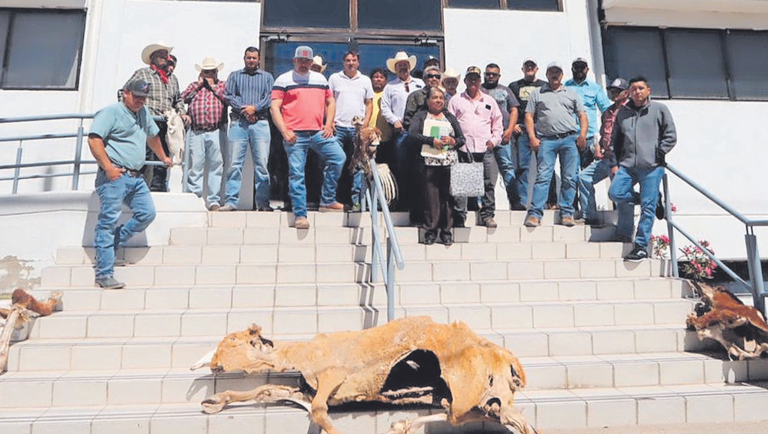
(438, 134)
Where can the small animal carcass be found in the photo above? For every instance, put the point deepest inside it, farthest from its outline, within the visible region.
(407, 361)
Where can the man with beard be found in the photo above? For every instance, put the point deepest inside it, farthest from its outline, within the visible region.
(164, 95)
(508, 105)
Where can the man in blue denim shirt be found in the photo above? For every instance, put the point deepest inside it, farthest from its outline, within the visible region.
(119, 135)
(594, 98)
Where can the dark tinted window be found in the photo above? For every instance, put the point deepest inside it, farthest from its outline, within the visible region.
(696, 64)
(748, 59)
(306, 13)
(43, 59)
(534, 5)
(5, 21)
(399, 14)
(633, 51)
(474, 4)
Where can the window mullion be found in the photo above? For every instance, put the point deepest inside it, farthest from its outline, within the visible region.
(727, 65)
(666, 61)
(6, 53)
(353, 26)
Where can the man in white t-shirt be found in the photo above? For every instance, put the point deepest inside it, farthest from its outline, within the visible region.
(353, 92)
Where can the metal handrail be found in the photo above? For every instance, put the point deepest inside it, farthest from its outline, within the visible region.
(755, 284)
(77, 161)
(394, 255)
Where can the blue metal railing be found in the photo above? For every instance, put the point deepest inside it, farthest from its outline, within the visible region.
(77, 162)
(755, 284)
(394, 256)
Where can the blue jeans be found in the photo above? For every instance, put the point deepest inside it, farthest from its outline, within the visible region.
(569, 162)
(523, 147)
(205, 151)
(112, 194)
(622, 192)
(588, 177)
(330, 151)
(242, 134)
(405, 163)
(506, 164)
(346, 137)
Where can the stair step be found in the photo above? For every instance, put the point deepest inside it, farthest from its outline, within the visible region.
(545, 409)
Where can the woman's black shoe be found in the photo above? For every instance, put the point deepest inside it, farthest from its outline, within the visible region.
(446, 238)
(429, 238)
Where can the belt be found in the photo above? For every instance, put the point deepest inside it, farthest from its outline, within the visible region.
(558, 136)
(305, 131)
(130, 172)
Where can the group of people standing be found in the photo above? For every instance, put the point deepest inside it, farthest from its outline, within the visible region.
(426, 126)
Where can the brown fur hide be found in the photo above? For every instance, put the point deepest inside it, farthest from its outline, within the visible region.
(366, 143)
(407, 361)
(18, 314)
(740, 329)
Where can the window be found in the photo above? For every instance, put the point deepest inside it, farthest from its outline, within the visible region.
(691, 63)
(474, 4)
(400, 14)
(41, 60)
(748, 60)
(306, 13)
(534, 5)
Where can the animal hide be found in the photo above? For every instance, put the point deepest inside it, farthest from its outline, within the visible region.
(19, 313)
(407, 361)
(175, 136)
(367, 140)
(740, 329)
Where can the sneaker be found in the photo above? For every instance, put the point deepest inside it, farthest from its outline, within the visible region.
(490, 223)
(332, 207)
(301, 223)
(109, 283)
(214, 207)
(532, 221)
(567, 220)
(446, 238)
(637, 254)
(429, 238)
(228, 207)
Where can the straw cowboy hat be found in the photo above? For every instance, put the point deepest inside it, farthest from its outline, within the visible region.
(318, 60)
(209, 63)
(399, 57)
(451, 73)
(146, 53)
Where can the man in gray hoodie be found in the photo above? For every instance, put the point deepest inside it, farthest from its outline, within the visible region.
(643, 134)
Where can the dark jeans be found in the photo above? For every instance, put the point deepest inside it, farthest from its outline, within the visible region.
(436, 198)
(490, 173)
(157, 176)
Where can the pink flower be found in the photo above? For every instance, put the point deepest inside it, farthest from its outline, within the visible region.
(674, 208)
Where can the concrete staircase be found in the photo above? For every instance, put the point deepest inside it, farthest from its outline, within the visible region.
(602, 341)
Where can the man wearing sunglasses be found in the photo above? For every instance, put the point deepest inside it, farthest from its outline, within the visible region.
(508, 105)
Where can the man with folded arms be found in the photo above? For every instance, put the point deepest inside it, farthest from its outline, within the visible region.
(119, 136)
(555, 133)
(301, 99)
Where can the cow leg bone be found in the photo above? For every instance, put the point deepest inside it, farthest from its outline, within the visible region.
(5, 337)
(327, 384)
(411, 426)
(263, 394)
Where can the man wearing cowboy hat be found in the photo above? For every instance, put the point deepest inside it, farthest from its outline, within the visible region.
(207, 107)
(317, 64)
(393, 108)
(450, 83)
(249, 94)
(164, 95)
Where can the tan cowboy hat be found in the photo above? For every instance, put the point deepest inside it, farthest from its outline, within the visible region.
(146, 53)
(318, 60)
(451, 73)
(399, 57)
(209, 63)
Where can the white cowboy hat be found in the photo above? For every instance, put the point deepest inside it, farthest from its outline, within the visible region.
(209, 63)
(399, 57)
(318, 60)
(146, 53)
(451, 73)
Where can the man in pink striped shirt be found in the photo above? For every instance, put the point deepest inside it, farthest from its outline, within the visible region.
(481, 122)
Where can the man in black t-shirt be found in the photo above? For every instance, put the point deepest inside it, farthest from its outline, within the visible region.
(522, 89)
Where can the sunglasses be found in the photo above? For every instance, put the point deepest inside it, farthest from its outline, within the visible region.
(433, 75)
(491, 74)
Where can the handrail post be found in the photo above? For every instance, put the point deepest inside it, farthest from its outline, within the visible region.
(78, 157)
(390, 283)
(17, 171)
(755, 271)
(374, 224)
(670, 228)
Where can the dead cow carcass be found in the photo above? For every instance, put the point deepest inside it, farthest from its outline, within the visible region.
(740, 329)
(407, 361)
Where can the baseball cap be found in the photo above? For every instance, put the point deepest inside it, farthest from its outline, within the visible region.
(138, 87)
(554, 64)
(473, 70)
(531, 60)
(431, 60)
(580, 60)
(304, 52)
(619, 83)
